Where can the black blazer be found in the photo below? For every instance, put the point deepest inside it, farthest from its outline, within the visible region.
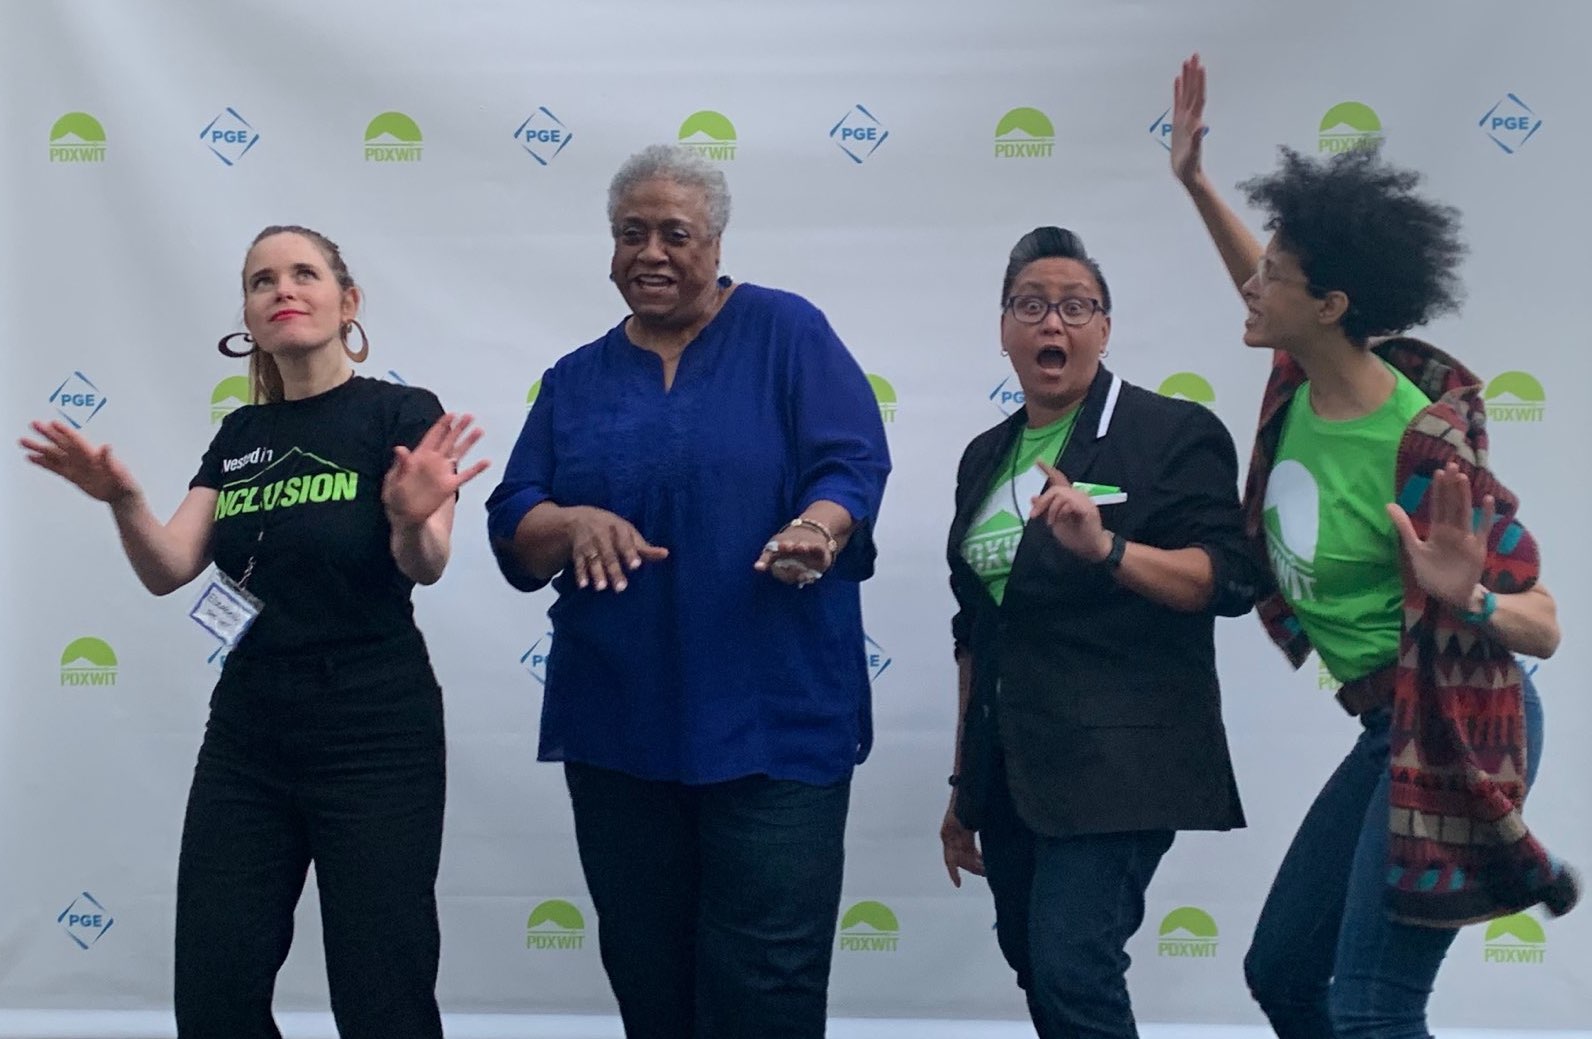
(1103, 705)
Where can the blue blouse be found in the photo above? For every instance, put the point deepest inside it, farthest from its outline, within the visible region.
(704, 669)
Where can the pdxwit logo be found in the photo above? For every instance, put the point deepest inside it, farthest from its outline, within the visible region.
(709, 134)
(1514, 939)
(1188, 931)
(1188, 386)
(1348, 126)
(229, 395)
(1025, 133)
(555, 924)
(77, 137)
(392, 137)
(88, 661)
(869, 927)
(885, 395)
(1516, 397)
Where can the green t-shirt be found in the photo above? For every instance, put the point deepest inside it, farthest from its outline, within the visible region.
(1332, 546)
(991, 542)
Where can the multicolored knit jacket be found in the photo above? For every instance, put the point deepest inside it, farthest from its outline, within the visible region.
(1459, 851)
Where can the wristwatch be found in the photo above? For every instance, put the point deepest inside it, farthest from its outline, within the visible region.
(1113, 558)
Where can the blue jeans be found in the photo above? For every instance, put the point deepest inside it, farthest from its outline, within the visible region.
(1326, 961)
(1065, 908)
(716, 904)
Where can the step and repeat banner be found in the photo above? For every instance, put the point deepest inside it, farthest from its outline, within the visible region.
(883, 158)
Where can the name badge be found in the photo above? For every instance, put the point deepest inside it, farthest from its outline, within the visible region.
(225, 610)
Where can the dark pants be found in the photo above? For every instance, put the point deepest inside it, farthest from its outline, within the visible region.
(336, 760)
(1326, 961)
(1065, 908)
(717, 904)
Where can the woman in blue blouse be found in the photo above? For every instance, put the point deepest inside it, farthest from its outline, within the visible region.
(699, 484)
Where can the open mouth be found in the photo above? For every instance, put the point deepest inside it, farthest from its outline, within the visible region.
(1052, 359)
(654, 281)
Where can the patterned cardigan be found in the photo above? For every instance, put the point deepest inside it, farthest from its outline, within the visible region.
(1459, 851)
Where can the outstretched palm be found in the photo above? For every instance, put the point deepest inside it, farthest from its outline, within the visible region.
(421, 479)
(1449, 561)
(67, 453)
(1188, 120)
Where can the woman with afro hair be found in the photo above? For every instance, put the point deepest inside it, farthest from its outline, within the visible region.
(1397, 556)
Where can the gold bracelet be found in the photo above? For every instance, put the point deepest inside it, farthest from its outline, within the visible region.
(812, 524)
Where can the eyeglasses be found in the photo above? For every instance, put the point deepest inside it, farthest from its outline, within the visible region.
(1074, 310)
(1266, 274)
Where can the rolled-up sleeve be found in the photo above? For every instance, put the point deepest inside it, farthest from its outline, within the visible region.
(1196, 505)
(841, 452)
(527, 482)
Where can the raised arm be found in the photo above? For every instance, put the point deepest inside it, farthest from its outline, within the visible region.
(1239, 248)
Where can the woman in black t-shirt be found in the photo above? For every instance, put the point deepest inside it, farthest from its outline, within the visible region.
(322, 505)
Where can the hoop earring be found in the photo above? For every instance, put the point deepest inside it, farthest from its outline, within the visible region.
(1003, 351)
(364, 342)
(247, 338)
(1105, 353)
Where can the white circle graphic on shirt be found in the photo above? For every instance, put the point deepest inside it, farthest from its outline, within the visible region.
(1292, 494)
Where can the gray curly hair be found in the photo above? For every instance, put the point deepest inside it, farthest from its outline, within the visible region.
(681, 165)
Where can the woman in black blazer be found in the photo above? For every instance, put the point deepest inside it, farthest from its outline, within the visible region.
(1090, 726)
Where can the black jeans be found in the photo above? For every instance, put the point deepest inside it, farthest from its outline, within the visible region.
(1065, 908)
(716, 904)
(337, 760)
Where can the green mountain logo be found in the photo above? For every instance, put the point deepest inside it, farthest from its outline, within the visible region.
(77, 137)
(1188, 931)
(1188, 386)
(392, 137)
(1348, 125)
(869, 927)
(229, 395)
(1025, 133)
(88, 661)
(535, 391)
(710, 134)
(395, 125)
(84, 127)
(885, 394)
(555, 924)
(1516, 397)
(1514, 939)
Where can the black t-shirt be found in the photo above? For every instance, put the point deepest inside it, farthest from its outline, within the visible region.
(308, 473)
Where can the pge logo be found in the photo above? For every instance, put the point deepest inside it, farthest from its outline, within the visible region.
(1161, 129)
(858, 134)
(85, 921)
(229, 136)
(535, 658)
(393, 376)
(218, 656)
(1007, 395)
(878, 659)
(77, 400)
(543, 136)
(1510, 124)
(531, 394)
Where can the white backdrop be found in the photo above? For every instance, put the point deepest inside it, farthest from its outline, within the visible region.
(476, 226)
